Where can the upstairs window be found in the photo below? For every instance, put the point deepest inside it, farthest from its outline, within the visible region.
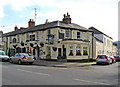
(61, 35)
(78, 35)
(10, 39)
(14, 40)
(27, 36)
(18, 38)
(48, 32)
(50, 40)
(37, 35)
(32, 37)
(67, 32)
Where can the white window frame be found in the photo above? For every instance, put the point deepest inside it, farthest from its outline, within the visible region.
(78, 49)
(37, 35)
(67, 33)
(79, 35)
(27, 36)
(18, 38)
(71, 49)
(10, 38)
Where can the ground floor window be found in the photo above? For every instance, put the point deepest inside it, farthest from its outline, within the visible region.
(85, 52)
(78, 51)
(71, 51)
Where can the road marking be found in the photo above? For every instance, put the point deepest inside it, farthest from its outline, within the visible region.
(33, 72)
(92, 82)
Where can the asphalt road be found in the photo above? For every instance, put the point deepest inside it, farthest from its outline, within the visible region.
(14, 74)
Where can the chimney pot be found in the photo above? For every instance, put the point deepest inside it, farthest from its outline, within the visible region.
(31, 23)
(67, 18)
(16, 28)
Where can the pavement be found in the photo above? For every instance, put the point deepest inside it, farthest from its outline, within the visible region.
(62, 64)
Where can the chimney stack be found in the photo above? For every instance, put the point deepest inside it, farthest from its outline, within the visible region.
(16, 28)
(67, 18)
(31, 23)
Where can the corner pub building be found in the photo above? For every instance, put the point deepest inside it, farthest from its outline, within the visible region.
(51, 40)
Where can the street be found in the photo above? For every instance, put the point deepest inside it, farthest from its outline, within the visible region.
(14, 74)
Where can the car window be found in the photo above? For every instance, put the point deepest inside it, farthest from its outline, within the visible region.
(16, 54)
(101, 56)
(24, 55)
(2, 53)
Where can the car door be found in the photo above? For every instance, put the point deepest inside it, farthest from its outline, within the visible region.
(16, 57)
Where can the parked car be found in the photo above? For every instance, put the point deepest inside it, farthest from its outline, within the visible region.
(117, 58)
(113, 59)
(3, 56)
(21, 58)
(103, 59)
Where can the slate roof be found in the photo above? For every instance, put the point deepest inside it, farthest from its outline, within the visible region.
(47, 26)
(96, 31)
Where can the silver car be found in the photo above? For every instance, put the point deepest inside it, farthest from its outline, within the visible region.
(103, 59)
(21, 58)
(3, 56)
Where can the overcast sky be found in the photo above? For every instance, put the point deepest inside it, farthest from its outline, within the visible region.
(101, 14)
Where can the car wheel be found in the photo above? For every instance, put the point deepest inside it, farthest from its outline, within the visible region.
(19, 62)
(10, 61)
(30, 63)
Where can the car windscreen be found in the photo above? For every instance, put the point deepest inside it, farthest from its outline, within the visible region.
(24, 55)
(2, 53)
(101, 57)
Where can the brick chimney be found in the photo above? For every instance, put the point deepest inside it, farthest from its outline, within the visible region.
(31, 23)
(67, 18)
(16, 28)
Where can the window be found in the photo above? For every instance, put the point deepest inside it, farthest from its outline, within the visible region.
(67, 33)
(14, 40)
(78, 35)
(50, 40)
(49, 32)
(37, 35)
(78, 51)
(10, 39)
(71, 51)
(85, 51)
(18, 38)
(27, 36)
(32, 37)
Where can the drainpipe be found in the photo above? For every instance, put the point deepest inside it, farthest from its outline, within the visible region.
(92, 45)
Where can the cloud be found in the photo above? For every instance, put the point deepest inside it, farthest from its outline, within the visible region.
(101, 14)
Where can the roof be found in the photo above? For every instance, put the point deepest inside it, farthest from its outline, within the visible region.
(47, 26)
(98, 40)
(96, 31)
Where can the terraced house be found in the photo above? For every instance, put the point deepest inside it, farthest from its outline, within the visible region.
(52, 40)
(104, 43)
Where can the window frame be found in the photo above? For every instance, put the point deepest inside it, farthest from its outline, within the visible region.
(67, 33)
(71, 51)
(79, 36)
(85, 50)
(37, 35)
(78, 51)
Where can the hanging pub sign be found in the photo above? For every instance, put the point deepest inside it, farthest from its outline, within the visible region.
(22, 44)
(42, 44)
(31, 44)
(54, 48)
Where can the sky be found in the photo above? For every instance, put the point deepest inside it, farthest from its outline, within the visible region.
(101, 14)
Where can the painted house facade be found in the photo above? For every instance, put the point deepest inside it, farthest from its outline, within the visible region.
(52, 40)
(104, 43)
